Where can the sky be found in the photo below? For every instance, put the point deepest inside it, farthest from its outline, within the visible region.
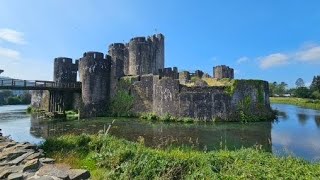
(267, 39)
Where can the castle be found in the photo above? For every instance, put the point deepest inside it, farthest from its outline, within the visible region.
(138, 68)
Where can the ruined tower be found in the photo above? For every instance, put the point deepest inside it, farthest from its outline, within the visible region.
(95, 70)
(65, 70)
(146, 55)
(120, 59)
(184, 77)
(223, 71)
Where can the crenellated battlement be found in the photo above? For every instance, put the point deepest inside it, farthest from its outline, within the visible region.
(223, 71)
(117, 46)
(138, 39)
(62, 60)
(169, 72)
(93, 54)
(156, 37)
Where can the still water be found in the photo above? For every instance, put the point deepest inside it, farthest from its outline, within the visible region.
(296, 132)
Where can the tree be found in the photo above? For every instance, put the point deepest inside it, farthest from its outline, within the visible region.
(4, 95)
(272, 88)
(282, 88)
(315, 85)
(302, 92)
(300, 83)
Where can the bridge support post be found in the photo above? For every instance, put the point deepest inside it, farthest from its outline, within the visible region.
(56, 102)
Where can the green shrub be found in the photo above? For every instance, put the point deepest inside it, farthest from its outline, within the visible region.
(121, 104)
(315, 95)
(14, 100)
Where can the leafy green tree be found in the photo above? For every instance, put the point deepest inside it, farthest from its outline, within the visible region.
(4, 95)
(315, 85)
(302, 92)
(281, 89)
(300, 83)
(272, 88)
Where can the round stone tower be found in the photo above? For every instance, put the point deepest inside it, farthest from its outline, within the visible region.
(157, 48)
(140, 61)
(64, 70)
(95, 73)
(120, 61)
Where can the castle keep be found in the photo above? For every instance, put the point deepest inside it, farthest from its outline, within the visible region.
(137, 68)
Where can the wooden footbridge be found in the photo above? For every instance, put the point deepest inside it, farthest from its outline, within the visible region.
(59, 93)
(18, 84)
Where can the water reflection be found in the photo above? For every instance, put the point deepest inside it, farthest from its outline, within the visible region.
(283, 115)
(199, 136)
(302, 118)
(317, 120)
(296, 132)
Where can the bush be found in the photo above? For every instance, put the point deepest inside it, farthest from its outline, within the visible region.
(121, 104)
(315, 95)
(14, 100)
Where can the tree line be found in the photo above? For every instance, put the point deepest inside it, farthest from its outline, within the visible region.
(301, 90)
(7, 97)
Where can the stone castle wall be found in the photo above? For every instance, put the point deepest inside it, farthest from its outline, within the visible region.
(165, 95)
(40, 100)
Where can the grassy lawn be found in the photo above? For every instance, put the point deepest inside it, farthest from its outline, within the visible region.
(307, 103)
(108, 157)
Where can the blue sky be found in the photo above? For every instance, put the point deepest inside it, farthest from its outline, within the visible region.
(267, 39)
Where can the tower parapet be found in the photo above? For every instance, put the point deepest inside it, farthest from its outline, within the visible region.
(65, 70)
(140, 61)
(169, 72)
(119, 57)
(142, 55)
(94, 72)
(223, 71)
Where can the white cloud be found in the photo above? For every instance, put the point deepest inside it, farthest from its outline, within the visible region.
(243, 59)
(273, 60)
(311, 55)
(12, 36)
(6, 53)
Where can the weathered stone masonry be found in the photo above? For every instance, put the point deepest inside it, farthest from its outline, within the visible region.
(203, 103)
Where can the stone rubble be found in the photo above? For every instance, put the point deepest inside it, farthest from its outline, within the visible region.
(26, 161)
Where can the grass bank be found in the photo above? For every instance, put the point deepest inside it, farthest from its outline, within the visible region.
(307, 103)
(108, 157)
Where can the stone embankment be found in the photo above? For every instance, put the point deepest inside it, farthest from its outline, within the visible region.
(27, 161)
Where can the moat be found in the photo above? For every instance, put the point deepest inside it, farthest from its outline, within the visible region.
(296, 132)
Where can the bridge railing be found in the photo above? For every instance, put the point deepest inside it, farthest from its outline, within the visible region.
(43, 84)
